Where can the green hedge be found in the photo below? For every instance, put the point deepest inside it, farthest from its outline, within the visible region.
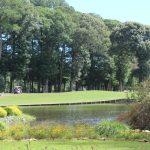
(111, 128)
(3, 112)
(13, 111)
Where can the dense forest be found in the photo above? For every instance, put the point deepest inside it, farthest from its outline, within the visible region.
(47, 46)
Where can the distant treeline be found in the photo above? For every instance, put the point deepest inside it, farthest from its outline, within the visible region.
(47, 46)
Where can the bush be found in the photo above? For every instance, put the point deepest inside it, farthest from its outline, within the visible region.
(84, 131)
(3, 112)
(13, 111)
(57, 132)
(2, 125)
(3, 134)
(110, 128)
(139, 115)
(18, 132)
(39, 132)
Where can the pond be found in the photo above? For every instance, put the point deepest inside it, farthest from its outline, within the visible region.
(90, 114)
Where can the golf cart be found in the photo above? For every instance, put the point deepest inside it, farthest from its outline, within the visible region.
(17, 90)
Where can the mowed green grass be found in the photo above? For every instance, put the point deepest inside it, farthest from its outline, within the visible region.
(74, 145)
(56, 98)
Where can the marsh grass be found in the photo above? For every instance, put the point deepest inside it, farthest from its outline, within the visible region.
(78, 131)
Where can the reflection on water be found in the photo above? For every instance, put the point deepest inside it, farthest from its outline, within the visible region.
(91, 114)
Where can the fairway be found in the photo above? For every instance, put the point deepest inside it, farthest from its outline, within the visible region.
(74, 145)
(57, 98)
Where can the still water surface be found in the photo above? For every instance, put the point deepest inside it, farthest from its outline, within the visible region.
(91, 114)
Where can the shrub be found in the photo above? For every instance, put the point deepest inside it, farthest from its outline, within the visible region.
(134, 135)
(39, 132)
(110, 128)
(57, 132)
(3, 134)
(13, 111)
(138, 117)
(84, 131)
(18, 132)
(2, 125)
(3, 112)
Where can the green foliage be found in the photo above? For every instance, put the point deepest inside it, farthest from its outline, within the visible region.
(84, 131)
(2, 84)
(112, 24)
(110, 128)
(49, 3)
(131, 41)
(3, 134)
(141, 92)
(39, 132)
(18, 132)
(13, 111)
(3, 112)
(49, 44)
(2, 125)
(78, 131)
(134, 135)
(138, 117)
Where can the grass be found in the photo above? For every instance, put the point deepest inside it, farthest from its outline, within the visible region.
(73, 145)
(56, 98)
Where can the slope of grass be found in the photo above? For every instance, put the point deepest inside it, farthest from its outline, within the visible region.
(56, 98)
(74, 145)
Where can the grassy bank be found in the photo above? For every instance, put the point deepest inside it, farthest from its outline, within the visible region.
(74, 145)
(56, 98)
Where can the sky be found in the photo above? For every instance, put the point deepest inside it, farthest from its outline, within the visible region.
(122, 10)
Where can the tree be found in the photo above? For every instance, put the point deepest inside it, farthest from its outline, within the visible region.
(89, 37)
(51, 41)
(16, 25)
(101, 74)
(49, 3)
(143, 57)
(112, 24)
(128, 41)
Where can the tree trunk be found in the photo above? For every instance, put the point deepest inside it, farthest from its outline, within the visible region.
(25, 86)
(71, 80)
(46, 86)
(42, 87)
(11, 84)
(64, 86)
(72, 70)
(55, 87)
(61, 69)
(77, 86)
(0, 42)
(32, 86)
(121, 86)
(39, 87)
(49, 87)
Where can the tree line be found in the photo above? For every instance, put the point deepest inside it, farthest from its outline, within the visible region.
(47, 46)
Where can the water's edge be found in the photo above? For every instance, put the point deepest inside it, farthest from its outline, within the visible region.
(118, 101)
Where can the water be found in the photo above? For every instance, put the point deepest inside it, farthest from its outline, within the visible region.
(90, 114)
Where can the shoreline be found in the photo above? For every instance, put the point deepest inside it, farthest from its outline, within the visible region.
(118, 101)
